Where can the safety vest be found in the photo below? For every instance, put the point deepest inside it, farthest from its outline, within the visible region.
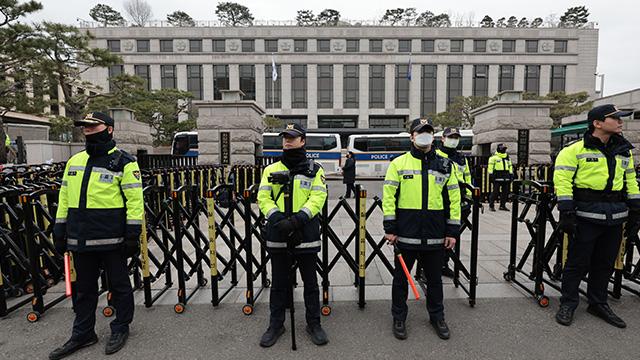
(500, 166)
(587, 164)
(309, 192)
(7, 141)
(460, 165)
(100, 204)
(421, 200)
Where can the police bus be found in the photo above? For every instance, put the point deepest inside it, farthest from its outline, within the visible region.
(323, 148)
(374, 152)
(466, 141)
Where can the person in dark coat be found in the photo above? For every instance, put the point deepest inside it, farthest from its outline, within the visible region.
(349, 174)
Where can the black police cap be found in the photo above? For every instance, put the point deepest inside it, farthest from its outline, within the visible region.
(95, 118)
(602, 112)
(294, 129)
(418, 124)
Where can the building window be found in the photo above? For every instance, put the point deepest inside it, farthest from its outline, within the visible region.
(402, 86)
(114, 45)
(143, 72)
(331, 122)
(532, 79)
(375, 45)
(271, 46)
(114, 71)
(428, 45)
(404, 45)
(353, 45)
(480, 81)
(454, 83)
(457, 45)
(194, 81)
(376, 86)
(220, 80)
(429, 88)
(351, 84)
(300, 45)
(248, 82)
(219, 46)
(273, 95)
(325, 86)
(508, 46)
(324, 45)
(505, 78)
(560, 46)
(558, 78)
(166, 45)
(387, 122)
(299, 86)
(479, 45)
(168, 76)
(143, 46)
(248, 45)
(195, 45)
(298, 119)
(531, 46)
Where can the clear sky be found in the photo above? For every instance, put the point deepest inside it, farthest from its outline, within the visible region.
(618, 50)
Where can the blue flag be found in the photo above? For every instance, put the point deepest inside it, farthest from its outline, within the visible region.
(409, 72)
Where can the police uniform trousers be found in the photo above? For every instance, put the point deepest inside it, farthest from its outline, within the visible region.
(87, 266)
(431, 262)
(594, 248)
(280, 269)
(500, 188)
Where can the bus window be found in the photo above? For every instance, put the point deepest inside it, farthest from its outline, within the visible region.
(398, 144)
(180, 145)
(378, 144)
(314, 143)
(272, 142)
(329, 143)
(360, 144)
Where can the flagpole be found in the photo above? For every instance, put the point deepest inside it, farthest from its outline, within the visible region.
(273, 90)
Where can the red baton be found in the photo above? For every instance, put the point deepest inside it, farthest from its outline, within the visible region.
(67, 274)
(406, 271)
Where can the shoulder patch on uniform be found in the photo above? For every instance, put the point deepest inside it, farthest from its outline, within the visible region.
(323, 179)
(136, 173)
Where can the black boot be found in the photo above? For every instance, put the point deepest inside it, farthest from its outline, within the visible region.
(317, 333)
(71, 346)
(116, 342)
(271, 336)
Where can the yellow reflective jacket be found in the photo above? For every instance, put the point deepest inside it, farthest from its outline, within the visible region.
(588, 164)
(500, 167)
(100, 204)
(309, 191)
(421, 200)
(460, 165)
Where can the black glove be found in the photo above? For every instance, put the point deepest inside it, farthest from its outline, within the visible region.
(568, 222)
(60, 245)
(492, 178)
(130, 247)
(290, 230)
(633, 224)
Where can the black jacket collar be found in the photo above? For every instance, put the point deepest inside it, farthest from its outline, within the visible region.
(617, 144)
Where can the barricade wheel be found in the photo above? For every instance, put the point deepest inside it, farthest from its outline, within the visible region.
(179, 308)
(507, 276)
(50, 282)
(543, 301)
(18, 292)
(29, 288)
(247, 309)
(108, 311)
(33, 316)
(204, 282)
(267, 283)
(325, 310)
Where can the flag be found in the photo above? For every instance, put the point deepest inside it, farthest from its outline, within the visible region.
(274, 73)
(409, 70)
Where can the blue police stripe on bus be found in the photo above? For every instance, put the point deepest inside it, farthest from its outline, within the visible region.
(317, 155)
(381, 156)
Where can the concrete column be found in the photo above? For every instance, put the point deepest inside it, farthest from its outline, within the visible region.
(207, 79)
(441, 95)
(181, 75)
(518, 78)
(414, 88)
(338, 86)
(155, 77)
(494, 74)
(390, 86)
(286, 85)
(363, 119)
(234, 77)
(260, 85)
(312, 95)
(467, 79)
(545, 79)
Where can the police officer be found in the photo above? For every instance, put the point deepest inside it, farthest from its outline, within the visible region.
(597, 192)
(302, 229)
(500, 175)
(99, 220)
(460, 166)
(422, 215)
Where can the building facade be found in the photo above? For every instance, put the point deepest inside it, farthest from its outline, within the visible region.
(349, 78)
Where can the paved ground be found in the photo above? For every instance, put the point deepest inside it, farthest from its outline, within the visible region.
(506, 323)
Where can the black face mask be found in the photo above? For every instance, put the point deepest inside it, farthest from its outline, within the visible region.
(502, 150)
(101, 137)
(293, 157)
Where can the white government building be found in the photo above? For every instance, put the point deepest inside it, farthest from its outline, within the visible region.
(349, 78)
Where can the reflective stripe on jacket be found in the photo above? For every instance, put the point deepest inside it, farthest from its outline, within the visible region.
(500, 167)
(309, 195)
(460, 165)
(98, 208)
(421, 200)
(588, 164)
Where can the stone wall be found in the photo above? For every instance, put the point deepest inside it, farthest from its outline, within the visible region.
(499, 122)
(132, 135)
(242, 119)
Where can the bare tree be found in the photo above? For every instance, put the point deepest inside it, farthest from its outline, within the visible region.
(139, 11)
(471, 18)
(551, 20)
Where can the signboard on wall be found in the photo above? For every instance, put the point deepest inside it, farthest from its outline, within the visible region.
(523, 147)
(225, 148)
